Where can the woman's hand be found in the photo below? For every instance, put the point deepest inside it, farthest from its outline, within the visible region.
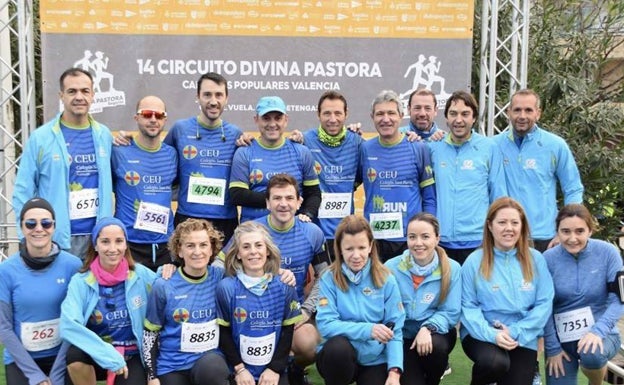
(589, 343)
(423, 342)
(381, 333)
(393, 378)
(504, 341)
(244, 377)
(167, 271)
(123, 371)
(268, 377)
(287, 277)
(554, 364)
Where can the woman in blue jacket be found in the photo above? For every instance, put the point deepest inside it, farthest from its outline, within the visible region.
(102, 316)
(33, 283)
(359, 314)
(430, 285)
(507, 295)
(582, 330)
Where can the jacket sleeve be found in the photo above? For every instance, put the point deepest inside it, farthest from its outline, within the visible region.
(568, 175)
(426, 180)
(394, 313)
(74, 331)
(26, 180)
(472, 318)
(531, 326)
(497, 185)
(615, 309)
(328, 318)
(447, 315)
(14, 346)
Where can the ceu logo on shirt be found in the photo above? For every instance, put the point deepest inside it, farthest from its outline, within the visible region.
(132, 178)
(530, 164)
(137, 301)
(428, 298)
(256, 176)
(317, 168)
(467, 165)
(526, 286)
(371, 174)
(294, 305)
(96, 317)
(189, 152)
(180, 315)
(240, 315)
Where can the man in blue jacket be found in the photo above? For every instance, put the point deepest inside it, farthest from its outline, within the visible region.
(534, 161)
(67, 162)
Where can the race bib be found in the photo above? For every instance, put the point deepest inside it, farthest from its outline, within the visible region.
(257, 350)
(83, 203)
(574, 324)
(199, 337)
(152, 217)
(387, 225)
(208, 191)
(38, 336)
(335, 205)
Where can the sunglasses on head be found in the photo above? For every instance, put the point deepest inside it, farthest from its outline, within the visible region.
(46, 223)
(148, 114)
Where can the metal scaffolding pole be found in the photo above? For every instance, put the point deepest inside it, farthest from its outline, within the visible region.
(504, 59)
(17, 99)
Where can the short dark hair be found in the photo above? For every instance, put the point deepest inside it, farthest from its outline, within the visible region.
(332, 95)
(73, 72)
(422, 92)
(468, 100)
(282, 180)
(215, 77)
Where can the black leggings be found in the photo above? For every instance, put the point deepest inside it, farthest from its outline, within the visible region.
(209, 369)
(15, 376)
(337, 364)
(493, 364)
(427, 370)
(136, 372)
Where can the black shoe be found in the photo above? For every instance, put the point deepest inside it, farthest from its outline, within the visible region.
(297, 375)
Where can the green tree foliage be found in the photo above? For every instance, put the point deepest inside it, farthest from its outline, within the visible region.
(573, 67)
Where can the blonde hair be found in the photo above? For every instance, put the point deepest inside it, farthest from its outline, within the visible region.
(355, 224)
(274, 257)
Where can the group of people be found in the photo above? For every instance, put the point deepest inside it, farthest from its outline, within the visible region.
(445, 240)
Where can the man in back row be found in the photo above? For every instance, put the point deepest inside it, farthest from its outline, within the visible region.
(67, 162)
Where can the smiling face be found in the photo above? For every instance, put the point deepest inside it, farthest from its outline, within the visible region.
(195, 249)
(253, 253)
(505, 228)
(332, 116)
(39, 239)
(271, 127)
(523, 113)
(150, 128)
(111, 247)
(387, 118)
(212, 98)
(76, 96)
(459, 120)
(283, 203)
(573, 234)
(421, 241)
(355, 250)
(422, 111)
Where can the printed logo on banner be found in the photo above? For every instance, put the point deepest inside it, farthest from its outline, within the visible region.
(426, 76)
(103, 81)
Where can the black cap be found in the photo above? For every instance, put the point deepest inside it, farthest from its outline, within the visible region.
(36, 203)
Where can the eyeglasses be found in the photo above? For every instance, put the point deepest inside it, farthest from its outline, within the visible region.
(46, 223)
(148, 114)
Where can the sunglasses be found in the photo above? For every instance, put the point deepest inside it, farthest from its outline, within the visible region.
(148, 114)
(46, 223)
